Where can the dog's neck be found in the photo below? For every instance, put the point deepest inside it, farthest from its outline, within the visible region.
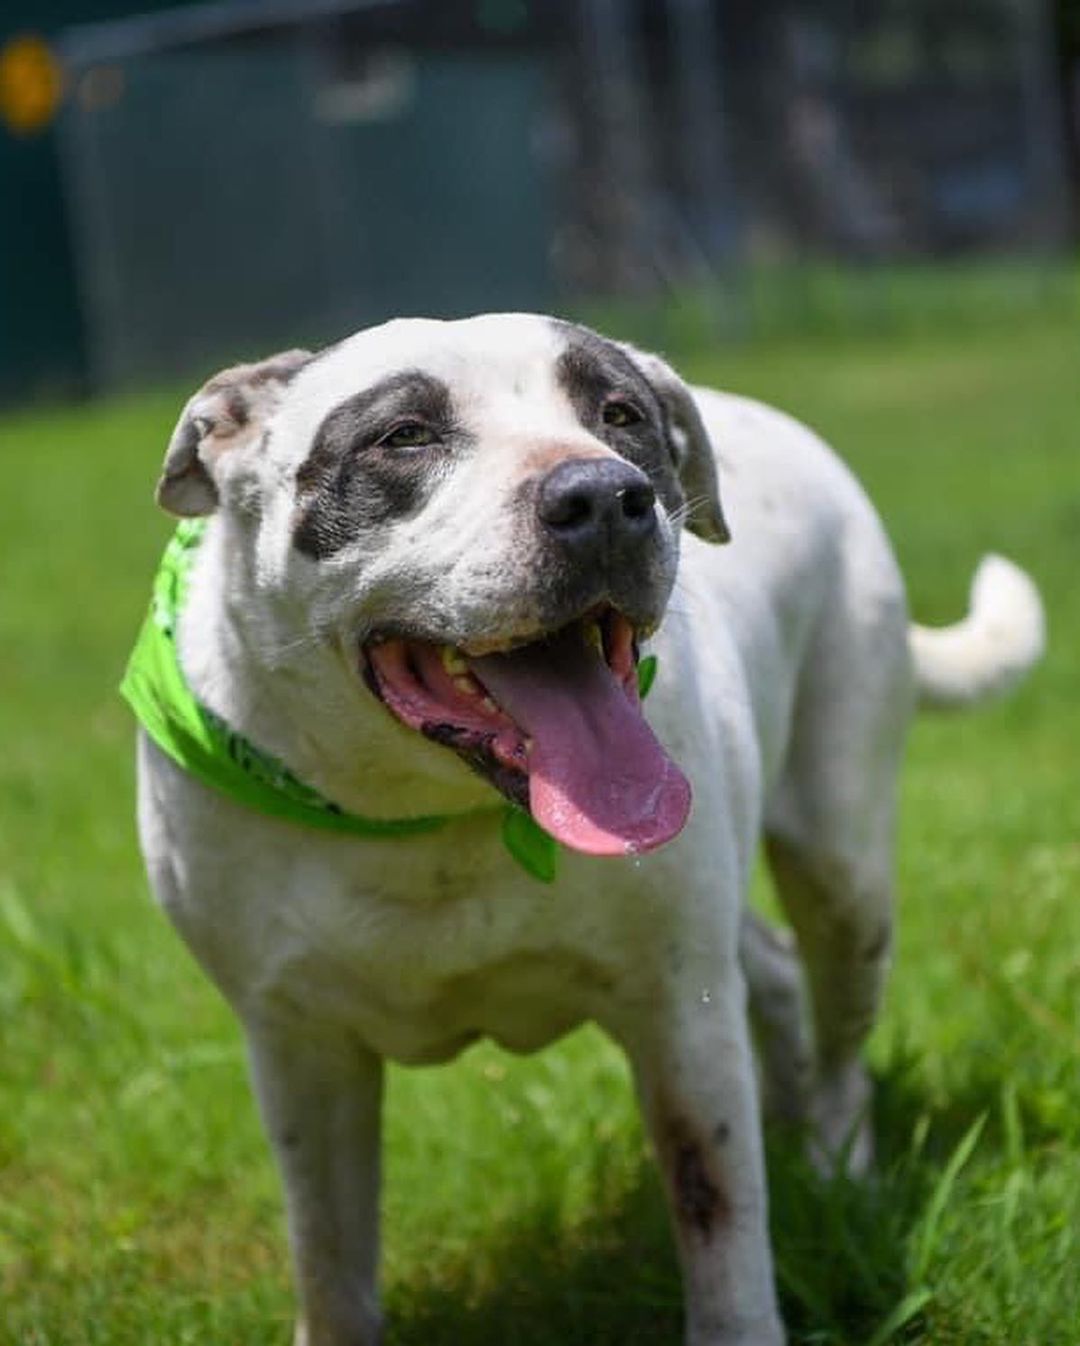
(299, 700)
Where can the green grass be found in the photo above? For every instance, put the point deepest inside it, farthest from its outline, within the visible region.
(137, 1202)
(813, 298)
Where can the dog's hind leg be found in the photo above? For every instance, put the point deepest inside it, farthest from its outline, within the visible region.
(841, 913)
(829, 834)
(320, 1096)
(778, 1013)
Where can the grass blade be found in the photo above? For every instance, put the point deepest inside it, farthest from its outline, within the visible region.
(928, 1235)
(912, 1304)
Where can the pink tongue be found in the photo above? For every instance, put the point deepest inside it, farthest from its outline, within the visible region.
(598, 779)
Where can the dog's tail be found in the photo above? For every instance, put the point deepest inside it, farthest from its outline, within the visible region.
(988, 652)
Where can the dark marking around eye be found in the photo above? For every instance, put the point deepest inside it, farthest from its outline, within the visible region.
(592, 371)
(351, 482)
(596, 374)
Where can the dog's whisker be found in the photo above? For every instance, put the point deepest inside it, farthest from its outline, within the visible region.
(301, 644)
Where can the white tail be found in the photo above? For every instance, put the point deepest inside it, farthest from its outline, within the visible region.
(988, 652)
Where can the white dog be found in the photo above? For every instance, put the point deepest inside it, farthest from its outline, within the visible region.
(432, 558)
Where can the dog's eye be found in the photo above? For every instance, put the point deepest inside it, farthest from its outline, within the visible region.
(409, 435)
(620, 413)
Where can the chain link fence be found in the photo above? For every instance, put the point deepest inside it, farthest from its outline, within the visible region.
(246, 174)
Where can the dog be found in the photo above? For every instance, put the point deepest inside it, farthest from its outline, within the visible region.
(429, 566)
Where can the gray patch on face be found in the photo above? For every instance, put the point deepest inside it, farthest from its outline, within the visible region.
(350, 482)
(592, 371)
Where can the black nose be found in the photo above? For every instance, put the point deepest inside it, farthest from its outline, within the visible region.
(585, 501)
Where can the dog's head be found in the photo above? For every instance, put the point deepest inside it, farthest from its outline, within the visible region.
(480, 519)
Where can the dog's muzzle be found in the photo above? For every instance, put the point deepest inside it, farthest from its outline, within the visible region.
(551, 715)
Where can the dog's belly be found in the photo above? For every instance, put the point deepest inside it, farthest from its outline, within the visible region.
(416, 1016)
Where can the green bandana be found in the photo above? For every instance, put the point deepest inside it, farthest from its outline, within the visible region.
(204, 745)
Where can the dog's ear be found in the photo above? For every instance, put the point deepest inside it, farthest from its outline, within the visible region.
(691, 446)
(227, 414)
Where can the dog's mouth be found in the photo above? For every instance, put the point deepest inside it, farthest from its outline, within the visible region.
(555, 723)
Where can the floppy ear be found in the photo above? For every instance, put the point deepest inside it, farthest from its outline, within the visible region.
(227, 414)
(692, 446)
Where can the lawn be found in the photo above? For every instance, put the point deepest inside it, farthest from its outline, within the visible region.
(137, 1202)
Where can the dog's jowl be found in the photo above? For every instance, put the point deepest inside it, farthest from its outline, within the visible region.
(463, 714)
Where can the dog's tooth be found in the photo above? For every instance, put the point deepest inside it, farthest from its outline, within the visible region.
(488, 704)
(452, 661)
(593, 637)
(467, 685)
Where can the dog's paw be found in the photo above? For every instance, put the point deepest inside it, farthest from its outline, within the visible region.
(762, 1332)
(842, 1132)
(371, 1335)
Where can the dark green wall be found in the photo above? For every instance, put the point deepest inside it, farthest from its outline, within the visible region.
(40, 340)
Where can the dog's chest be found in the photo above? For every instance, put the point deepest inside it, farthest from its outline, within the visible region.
(422, 956)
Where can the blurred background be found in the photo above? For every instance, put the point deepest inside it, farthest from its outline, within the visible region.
(861, 212)
(188, 183)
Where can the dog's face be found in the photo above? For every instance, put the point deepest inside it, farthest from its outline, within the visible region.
(482, 517)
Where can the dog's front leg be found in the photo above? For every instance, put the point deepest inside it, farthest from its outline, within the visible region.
(695, 1079)
(320, 1094)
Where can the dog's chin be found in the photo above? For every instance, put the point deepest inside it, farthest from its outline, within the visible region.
(552, 721)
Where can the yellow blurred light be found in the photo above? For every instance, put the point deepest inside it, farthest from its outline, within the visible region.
(31, 84)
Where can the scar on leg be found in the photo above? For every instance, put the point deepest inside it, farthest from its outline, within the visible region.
(699, 1202)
